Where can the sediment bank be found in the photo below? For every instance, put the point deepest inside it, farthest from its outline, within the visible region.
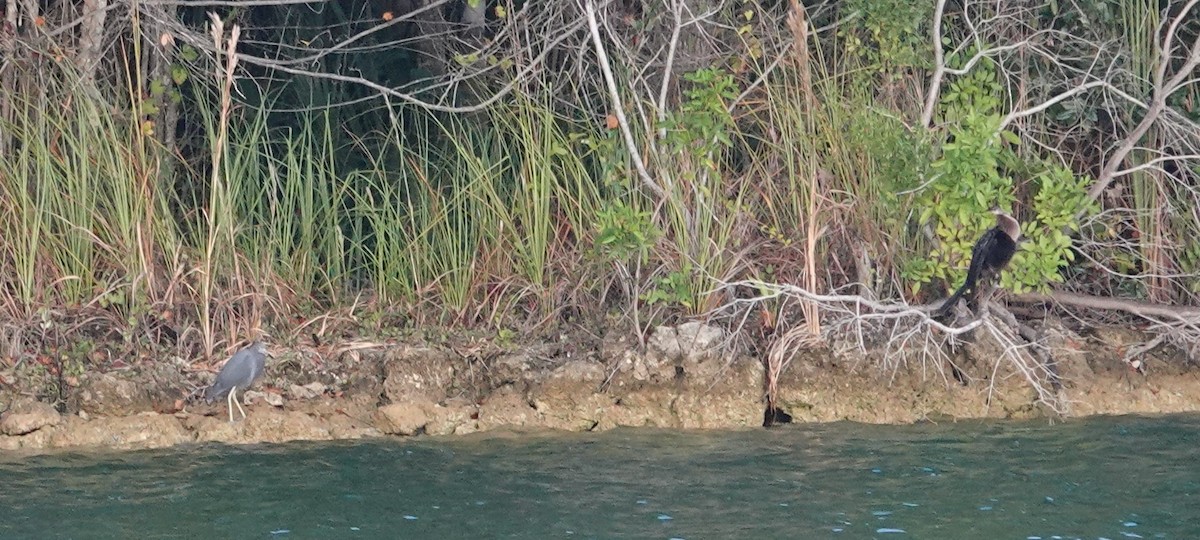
(686, 378)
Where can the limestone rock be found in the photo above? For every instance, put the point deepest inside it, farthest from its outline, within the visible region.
(403, 418)
(272, 425)
(695, 351)
(272, 399)
(311, 390)
(426, 417)
(512, 367)
(522, 366)
(689, 340)
(415, 373)
(580, 371)
(342, 427)
(648, 406)
(693, 410)
(577, 411)
(146, 430)
(453, 417)
(506, 408)
(260, 425)
(28, 418)
(105, 394)
(10, 443)
(654, 368)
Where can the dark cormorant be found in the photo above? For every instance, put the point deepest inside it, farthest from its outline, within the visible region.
(990, 255)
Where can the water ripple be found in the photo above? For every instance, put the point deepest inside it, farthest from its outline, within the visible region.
(1123, 477)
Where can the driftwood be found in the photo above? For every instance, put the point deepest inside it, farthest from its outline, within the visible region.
(1187, 315)
(1179, 325)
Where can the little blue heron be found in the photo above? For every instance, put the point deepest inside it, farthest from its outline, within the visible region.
(238, 373)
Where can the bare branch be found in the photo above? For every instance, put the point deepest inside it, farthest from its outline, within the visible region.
(677, 15)
(1163, 88)
(615, 96)
(1068, 94)
(1154, 164)
(301, 66)
(1184, 314)
(842, 303)
(939, 66)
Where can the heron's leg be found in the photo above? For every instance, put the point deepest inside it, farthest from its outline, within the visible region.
(229, 403)
(238, 402)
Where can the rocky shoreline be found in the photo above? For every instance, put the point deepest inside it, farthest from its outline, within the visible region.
(687, 378)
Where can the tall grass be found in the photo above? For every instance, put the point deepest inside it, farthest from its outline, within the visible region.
(78, 215)
(492, 218)
(464, 218)
(427, 228)
(489, 219)
(1139, 21)
(288, 198)
(835, 164)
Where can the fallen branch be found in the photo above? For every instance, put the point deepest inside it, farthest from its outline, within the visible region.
(1186, 314)
(1179, 325)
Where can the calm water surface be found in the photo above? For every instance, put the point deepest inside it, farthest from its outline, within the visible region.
(1115, 478)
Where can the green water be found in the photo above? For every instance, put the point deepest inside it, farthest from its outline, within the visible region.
(1109, 478)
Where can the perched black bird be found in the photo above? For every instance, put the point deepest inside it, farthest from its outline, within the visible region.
(774, 416)
(990, 255)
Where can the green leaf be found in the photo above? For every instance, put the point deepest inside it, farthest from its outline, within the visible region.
(179, 74)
